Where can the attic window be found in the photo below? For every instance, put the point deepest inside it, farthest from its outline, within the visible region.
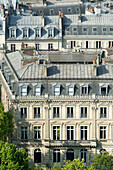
(51, 11)
(94, 29)
(84, 90)
(103, 90)
(56, 90)
(104, 29)
(23, 90)
(37, 90)
(111, 29)
(69, 10)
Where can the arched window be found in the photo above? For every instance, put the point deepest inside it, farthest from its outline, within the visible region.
(83, 154)
(56, 155)
(70, 154)
(37, 156)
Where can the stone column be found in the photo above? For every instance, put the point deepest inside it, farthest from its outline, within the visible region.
(93, 123)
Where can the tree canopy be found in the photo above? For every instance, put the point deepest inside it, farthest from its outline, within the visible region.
(6, 123)
(13, 158)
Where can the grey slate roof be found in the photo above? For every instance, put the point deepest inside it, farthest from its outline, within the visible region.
(58, 71)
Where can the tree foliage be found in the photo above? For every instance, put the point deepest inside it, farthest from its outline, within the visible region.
(103, 161)
(13, 158)
(6, 123)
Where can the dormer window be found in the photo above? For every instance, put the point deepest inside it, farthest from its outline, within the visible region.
(50, 32)
(84, 89)
(37, 90)
(12, 32)
(70, 90)
(103, 89)
(38, 32)
(23, 90)
(25, 32)
(56, 90)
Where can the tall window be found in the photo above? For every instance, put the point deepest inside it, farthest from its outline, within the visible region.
(69, 112)
(37, 90)
(12, 33)
(70, 154)
(83, 112)
(50, 33)
(13, 47)
(83, 154)
(56, 132)
(50, 46)
(37, 132)
(56, 90)
(70, 132)
(23, 112)
(103, 112)
(37, 47)
(56, 155)
(23, 90)
(37, 156)
(56, 112)
(103, 132)
(83, 132)
(37, 33)
(70, 90)
(36, 112)
(25, 33)
(24, 132)
(103, 90)
(84, 90)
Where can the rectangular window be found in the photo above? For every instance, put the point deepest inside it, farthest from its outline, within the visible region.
(84, 29)
(37, 91)
(94, 29)
(23, 112)
(103, 91)
(37, 132)
(37, 47)
(36, 112)
(13, 47)
(50, 46)
(83, 132)
(69, 10)
(103, 112)
(56, 90)
(104, 29)
(56, 112)
(83, 112)
(25, 33)
(51, 11)
(24, 132)
(56, 132)
(86, 44)
(70, 132)
(23, 91)
(12, 33)
(37, 33)
(70, 90)
(69, 112)
(75, 29)
(103, 132)
(56, 155)
(50, 33)
(84, 90)
(111, 29)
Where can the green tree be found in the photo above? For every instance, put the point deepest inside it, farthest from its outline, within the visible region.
(6, 123)
(102, 161)
(13, 158)
(76, 164)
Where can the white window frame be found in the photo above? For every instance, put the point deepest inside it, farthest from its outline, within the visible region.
(102, 115)
(14, 32)
(23, 108)
(35, 88)
(84, 151)
(104, 86)
(69, 115)
(84, 86)
(70, 131)
(25, 32)
(83, 132)
(84, 114)
(56, 131)
(24, 132)
(50, 32)
(38, 129)
(103, 137)
(38, 32)
(70, 92)
(37, 112)
(56, 151)
(57, 86)
(56, 114)
(21, 90)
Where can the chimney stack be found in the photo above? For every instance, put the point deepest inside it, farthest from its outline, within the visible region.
(45, 68)
(94, 72)
(43, 20)
(79, 17)
(3, 10)
(98, 59)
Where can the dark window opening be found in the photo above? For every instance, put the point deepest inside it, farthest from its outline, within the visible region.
(83, 132)
(37, 156)
(70, 154)
(56, 155)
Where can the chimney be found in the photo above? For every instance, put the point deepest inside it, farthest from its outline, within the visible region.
(79, 17)
(43, 20)
(45, 69)
(94, 73)
(3, 10)
(18, 11)
(98, 59)
(60, 23)
(7, 19)
(31, 13)
(44, 2)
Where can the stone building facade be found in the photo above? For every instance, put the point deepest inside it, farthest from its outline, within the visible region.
(61, 111)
